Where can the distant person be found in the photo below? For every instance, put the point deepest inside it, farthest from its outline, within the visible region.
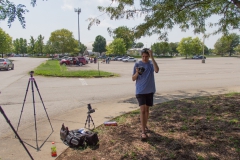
(143, 74)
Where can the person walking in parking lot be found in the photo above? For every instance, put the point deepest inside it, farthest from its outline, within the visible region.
(143, 74)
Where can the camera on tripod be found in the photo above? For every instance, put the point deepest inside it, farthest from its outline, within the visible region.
(90, 110)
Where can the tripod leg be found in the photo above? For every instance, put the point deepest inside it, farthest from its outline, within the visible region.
(34, 113)
(20, 140)
(23, 104)
(89, 121)
(92, 122)
(86, 121)
(42, 103)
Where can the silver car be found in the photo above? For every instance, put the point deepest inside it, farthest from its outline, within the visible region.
(129, 59)
(6, 64)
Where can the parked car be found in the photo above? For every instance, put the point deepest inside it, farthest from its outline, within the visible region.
(73, 61)
(129, 59)
(121, 58)
(64, 57)
(82, 60)
(198, 57)
(6, 64)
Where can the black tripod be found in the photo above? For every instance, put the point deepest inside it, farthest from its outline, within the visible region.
(89, 117)
(32, 80)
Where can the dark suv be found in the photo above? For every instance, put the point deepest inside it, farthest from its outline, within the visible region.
(73, 61)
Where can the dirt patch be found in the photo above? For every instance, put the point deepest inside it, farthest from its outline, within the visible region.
(204, 128)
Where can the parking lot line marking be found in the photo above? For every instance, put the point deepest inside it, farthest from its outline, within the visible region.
(84, 83)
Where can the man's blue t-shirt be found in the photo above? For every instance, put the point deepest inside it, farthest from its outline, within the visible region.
(145, 83)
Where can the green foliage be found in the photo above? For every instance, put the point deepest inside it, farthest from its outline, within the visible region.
(237, 49)
(10, 11)
(63, 40)
(82, 48)
(5, 42)
(99, 44)
(173, 48)
(161, 16)
(188, 46)
(39, 44)
(226, 44)
(160, 48)
(117, 47)
(53, 68)
(125, 33)
(31, 46)
(139, 45)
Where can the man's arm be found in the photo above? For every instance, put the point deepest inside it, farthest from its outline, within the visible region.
(135, 76)
(155, 65)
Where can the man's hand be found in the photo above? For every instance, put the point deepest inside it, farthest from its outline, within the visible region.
(137, 69)
(150, 53)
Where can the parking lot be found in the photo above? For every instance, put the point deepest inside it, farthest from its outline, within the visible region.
(66, 99)
(61, 94)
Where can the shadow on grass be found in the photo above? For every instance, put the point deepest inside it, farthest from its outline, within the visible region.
(198, 128)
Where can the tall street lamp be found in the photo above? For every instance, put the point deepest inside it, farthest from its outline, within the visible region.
(78, 10)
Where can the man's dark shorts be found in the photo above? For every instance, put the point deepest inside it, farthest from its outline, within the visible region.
(145, 99)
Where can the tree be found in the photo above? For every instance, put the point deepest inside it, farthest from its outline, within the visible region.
(164, 47)
(10, 11)
(188, 46)
(39, 44)
(51, 48)
(125, 33)
(5, 42)
(99, 44)
(233, 40)
(237, 49)
(20, 46)
(16, 46)
(117, 47)
(82, 48)
(173, 48)
(220, 47)
(160, 16)
(31, 46)
(23, 46)
(139, 45)
(226, 44)
(160, 48)
(64, 40)
(156, 48)
(197, 46)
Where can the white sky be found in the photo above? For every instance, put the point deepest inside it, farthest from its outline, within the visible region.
(52, 15)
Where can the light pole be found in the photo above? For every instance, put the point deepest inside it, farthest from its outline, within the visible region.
(203, 60)
(78, 10)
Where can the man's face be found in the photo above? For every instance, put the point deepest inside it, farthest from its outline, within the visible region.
(145, 57)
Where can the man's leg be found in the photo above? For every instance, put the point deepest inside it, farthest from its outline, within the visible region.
(147, 115)
(143, 117)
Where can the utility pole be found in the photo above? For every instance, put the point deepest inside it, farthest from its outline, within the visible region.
(78, 10)
(203, 59)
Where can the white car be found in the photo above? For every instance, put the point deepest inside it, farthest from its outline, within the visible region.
(129, 59)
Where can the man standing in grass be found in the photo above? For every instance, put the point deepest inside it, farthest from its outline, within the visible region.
(143, 73)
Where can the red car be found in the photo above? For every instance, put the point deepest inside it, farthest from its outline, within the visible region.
(74, 61)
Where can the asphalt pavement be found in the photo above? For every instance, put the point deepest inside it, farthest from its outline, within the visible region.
(66, 99)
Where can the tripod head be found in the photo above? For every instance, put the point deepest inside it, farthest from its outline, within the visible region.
(90, 110)
(31, 73)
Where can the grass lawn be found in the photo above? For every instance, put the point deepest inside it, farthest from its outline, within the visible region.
(53, 68)
(203, 128)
